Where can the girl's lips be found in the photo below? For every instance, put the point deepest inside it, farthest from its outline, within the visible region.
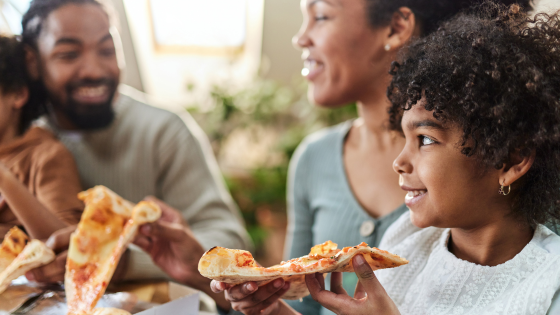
(414, 196)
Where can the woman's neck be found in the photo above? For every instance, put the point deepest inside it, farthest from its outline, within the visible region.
(372, 125)
(492, 244)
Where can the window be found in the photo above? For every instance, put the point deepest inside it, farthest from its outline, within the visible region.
(205, 26)
(11, 12)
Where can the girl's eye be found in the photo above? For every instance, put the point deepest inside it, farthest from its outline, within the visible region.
(426, 140)
(320, 18)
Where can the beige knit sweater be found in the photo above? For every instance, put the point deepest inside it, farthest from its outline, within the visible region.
(149, 151)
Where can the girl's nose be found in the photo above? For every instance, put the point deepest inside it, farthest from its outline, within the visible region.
(402, 164)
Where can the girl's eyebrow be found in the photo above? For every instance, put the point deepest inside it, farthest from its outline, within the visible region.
(425, 123)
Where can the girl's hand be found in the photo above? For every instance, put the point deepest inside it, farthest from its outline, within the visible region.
(369, 298)
(249, 299)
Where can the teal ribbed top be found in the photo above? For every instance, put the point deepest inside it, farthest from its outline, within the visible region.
(322, 206)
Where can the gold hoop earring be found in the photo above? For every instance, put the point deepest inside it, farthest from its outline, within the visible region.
(503, 192)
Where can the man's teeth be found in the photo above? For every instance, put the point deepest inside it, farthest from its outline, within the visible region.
(415, 193)
(92, 91)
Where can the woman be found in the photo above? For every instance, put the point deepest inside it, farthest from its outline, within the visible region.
(341, 185)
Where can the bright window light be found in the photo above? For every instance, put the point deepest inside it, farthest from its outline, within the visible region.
(199, 23)
(11, 12)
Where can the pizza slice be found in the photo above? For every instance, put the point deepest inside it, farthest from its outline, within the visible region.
(108, 225)
(14, 242)
(35, 254)
(238, 266)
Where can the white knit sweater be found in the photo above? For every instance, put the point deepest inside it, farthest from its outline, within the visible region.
(437, 282)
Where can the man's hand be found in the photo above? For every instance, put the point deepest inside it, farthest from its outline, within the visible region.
(250, 299)
(173, 247)
(171, 244)
(59, 242)
(370, 296)
(54, 272)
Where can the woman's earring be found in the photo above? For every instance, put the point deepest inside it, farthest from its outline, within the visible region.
(502, 190)
(387, 47)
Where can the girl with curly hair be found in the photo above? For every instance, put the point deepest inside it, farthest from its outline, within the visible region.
(479, 106)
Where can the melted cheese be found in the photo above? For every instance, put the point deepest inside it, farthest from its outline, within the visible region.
(13, 244)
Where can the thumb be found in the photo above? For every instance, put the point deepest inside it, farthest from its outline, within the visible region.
(368, 280)
(174, 232)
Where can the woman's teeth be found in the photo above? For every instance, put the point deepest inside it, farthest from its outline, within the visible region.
(415, 193)
(308, 66)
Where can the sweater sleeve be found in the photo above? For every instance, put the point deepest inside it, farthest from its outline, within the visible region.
(56, 182)
(189, 180)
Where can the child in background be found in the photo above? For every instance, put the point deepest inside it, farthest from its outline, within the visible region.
(479, 105)
(38, 177)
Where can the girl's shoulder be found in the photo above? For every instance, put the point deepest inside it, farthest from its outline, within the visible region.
(546, 240)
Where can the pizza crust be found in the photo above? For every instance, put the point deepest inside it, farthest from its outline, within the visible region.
(13, 244)
(34, 255)
(238, 266)
(108, 225)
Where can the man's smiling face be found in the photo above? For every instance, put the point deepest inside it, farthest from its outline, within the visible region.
(78, 65)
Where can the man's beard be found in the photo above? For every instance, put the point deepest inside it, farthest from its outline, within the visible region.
(87, 116)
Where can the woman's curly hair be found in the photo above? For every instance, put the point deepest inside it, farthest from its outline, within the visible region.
(495, 73)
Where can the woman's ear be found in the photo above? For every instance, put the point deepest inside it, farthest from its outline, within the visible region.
(20, 97)
(32, 62)
(517, 167)
(403, 27)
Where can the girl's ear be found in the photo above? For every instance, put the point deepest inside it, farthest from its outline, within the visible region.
(403, 27)
(517, 167)
(20, 97)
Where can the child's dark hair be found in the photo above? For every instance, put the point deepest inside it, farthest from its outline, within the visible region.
(13, 77)
(429, 13)
(496, 74)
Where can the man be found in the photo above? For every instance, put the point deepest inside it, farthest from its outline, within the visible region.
(122, 143)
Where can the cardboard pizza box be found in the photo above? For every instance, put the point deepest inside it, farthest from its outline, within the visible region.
(183, 300)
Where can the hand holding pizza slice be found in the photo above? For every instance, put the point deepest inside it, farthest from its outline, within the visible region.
(237, 266)
(108, 225)
(19, 255)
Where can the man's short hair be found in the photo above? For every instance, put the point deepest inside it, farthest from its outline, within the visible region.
(39, 10)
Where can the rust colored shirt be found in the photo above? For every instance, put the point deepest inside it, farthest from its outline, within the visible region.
(48, 170)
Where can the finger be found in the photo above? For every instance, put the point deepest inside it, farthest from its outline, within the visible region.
(336, 283)
(218, 286)
(320, 279)
(51, 273)
(241, 291)
(366, 275)
(266, 306)
(60, 240)
(359, 293)
(168, 213)
(332, 301)
(259, 296)
(143, 242)
(173, 232)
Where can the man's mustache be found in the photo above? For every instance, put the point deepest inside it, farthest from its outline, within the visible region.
(90, 83)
